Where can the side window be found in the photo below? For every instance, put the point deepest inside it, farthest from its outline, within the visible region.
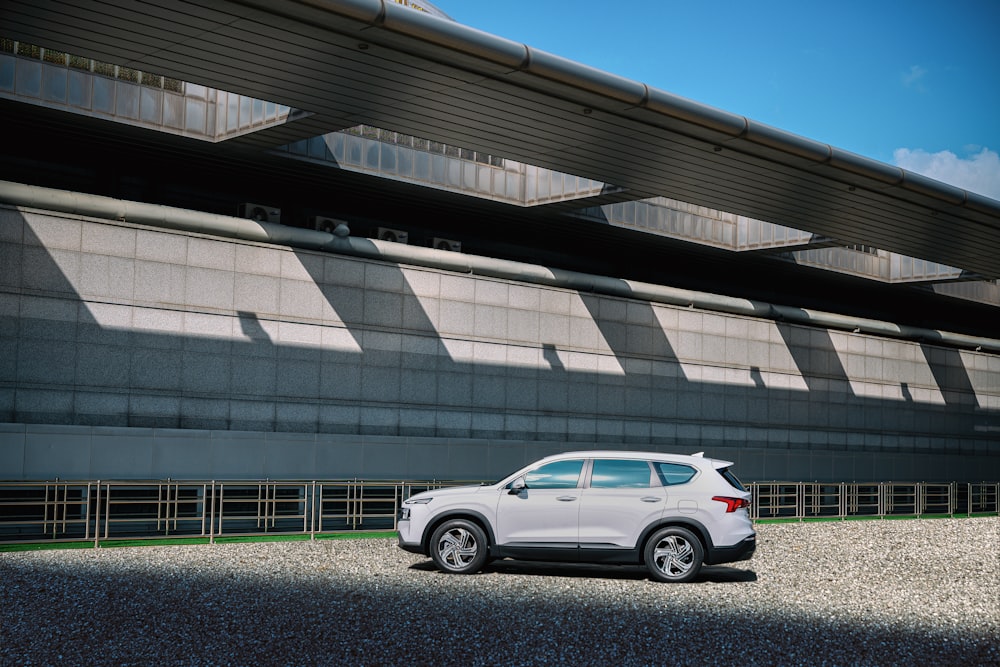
(555, 475)
(619, 474)
(674, 473)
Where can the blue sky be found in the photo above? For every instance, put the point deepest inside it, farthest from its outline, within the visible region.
(913, 83)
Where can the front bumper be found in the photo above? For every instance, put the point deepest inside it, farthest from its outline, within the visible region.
(406, 542)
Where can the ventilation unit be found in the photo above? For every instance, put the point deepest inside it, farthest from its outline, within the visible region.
(260, 212)
(446, 244)
(394, 235)
(323, 224)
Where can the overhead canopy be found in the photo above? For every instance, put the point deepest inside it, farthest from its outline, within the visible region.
(348, 62)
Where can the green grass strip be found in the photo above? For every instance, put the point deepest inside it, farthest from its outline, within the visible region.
(248, 539)
(46, 546)
(153, 542)
(184, 541)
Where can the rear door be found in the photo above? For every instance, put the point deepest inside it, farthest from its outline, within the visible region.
(623, 496)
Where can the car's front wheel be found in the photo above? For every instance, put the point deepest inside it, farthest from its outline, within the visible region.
(459, 546)
(674, 554)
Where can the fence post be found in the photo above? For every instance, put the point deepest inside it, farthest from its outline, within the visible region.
(49, 505)
(310, 507)
(97, 516)
(211, 520)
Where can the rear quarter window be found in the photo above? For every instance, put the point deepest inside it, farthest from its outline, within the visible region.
(731, 478)
(672, 474)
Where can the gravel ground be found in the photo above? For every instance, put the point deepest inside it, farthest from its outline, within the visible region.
(853, 593)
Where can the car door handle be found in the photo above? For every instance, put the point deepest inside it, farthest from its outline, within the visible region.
(650, 499)
(566, 499)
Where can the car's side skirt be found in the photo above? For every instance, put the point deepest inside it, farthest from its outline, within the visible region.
(567, 552)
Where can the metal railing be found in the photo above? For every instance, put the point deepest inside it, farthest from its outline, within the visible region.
(109, 510)
(98, 511)
(815, 500)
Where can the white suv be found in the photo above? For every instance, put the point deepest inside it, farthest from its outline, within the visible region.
(670, 512)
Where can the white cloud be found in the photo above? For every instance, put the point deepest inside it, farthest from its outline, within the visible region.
(913, 78)
(979, 173)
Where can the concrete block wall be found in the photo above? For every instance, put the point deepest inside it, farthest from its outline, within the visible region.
(133, 352)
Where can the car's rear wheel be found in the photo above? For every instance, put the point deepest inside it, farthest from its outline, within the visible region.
(674, 555)
(459, 546)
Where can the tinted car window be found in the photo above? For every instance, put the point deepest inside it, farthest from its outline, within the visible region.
(731, 478)
(555, 475)
(619, 474)
(674, 473)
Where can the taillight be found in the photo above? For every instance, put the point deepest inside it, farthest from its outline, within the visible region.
(732, 504)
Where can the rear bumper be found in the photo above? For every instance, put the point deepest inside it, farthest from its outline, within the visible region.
(743, 550)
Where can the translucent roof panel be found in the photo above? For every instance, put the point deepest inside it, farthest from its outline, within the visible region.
(60, 80)
(423, 6)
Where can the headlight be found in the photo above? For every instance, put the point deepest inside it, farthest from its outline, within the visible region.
(404, 512)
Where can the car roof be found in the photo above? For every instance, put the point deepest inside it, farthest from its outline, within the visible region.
(692, 459)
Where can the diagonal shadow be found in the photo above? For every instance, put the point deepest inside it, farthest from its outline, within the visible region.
(91, 339)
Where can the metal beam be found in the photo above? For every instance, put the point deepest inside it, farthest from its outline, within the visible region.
(380, 63)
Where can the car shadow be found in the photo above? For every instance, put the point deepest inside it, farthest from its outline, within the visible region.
(714, 574)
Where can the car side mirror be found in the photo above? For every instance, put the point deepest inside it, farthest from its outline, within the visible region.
(517, 486)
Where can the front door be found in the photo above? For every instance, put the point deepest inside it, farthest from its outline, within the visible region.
(546, 511)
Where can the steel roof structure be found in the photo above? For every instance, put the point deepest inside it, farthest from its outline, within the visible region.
(341, 63)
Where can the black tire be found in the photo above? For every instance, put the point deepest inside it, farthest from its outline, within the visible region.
(674, 555)
(459, 546)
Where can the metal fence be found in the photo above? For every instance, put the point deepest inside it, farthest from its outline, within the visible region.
(814, 500)
(89, 511)
(100, 511)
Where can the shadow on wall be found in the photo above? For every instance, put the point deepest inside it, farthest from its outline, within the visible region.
(108, 325)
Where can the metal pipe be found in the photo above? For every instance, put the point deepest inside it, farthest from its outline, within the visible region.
(506, 55)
